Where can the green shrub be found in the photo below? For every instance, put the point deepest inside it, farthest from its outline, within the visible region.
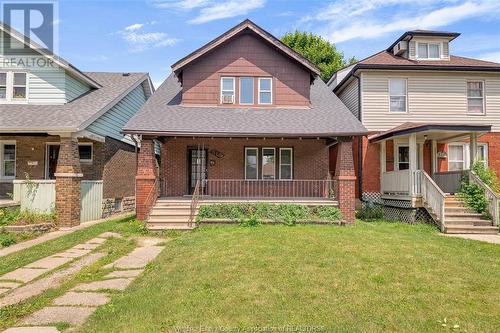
(473, 194)
(487, 175)
(252, 221)
(370, 212)
(329, 213)
(7, 215)
(7, 239)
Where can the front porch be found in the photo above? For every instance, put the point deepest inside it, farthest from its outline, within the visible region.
(422, 167)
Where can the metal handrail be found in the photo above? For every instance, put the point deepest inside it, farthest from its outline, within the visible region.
(491, 196)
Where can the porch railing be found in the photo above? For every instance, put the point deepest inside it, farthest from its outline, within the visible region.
(241, 188)
(449, 181)
(491, 196)
(433, 196)
(396, 182)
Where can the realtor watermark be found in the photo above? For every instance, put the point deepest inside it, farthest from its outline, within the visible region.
(31, 33)
(250, 329)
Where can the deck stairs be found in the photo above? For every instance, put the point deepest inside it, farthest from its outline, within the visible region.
(459, 219)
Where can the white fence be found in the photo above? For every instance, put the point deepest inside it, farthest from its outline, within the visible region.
(40, 196)
(396, 182)
(91, 200)
(35, 195)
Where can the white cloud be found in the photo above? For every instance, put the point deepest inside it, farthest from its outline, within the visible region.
(139, 40)
(345, 20)
(211, 10)
(491, 56)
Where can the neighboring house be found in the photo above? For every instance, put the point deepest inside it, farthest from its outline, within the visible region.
(431, 115)
(243, 117)
(57, 122)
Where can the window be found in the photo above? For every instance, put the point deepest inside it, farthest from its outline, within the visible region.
(397, 91)
(8, 160)
(85, 152)
(268, 163)
(482, 153)
(251, 163)
(265, 90)
(475, 97)
(246, 90)
(403, 157)
(428, 51)
(19, 86)
(286, 163)
(3, 85)
(227, 90)
(456, 157)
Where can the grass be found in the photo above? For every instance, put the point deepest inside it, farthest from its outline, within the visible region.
(371, 277)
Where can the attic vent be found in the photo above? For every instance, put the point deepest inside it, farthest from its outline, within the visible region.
(227, 99)
(126, 74)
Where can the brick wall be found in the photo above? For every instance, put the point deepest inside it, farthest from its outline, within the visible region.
(345, 180)
(118, 169)
(310, 158)
(246, 55)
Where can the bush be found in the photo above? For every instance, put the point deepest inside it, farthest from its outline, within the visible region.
(370, 213)
(289, 214)
(487, 175)
(7, 239)
(473, 194)
(252, 221)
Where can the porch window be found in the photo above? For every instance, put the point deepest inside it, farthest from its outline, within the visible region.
(8, 160)
(251, 163)
(227, 90)
(397, 91)
(265, 90)
(3, 85)
(268, 163)
(403, 157)
(475, 97)
(246, 90)
(482, 153)
(456, 157)
(19, 86)
(286, 163)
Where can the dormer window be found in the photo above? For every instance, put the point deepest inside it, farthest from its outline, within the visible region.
(13, 86)
(246, 90)
(19, 86)
(429, 51)
(227, 90)
(265, 90)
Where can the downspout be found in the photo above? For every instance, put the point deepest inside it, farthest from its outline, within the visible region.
(360, 143)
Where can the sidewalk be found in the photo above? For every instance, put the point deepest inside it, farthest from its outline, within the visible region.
(56, 234)
(494, 239)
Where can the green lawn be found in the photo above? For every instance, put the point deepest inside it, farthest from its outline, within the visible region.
(371, 277)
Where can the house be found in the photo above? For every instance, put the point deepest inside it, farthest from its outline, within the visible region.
(61, 129)
(430, 115)
(242, 117)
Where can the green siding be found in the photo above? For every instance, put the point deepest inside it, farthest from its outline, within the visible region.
(111, 123)
(74, 88)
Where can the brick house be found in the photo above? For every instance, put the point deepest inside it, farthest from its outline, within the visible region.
(61, 127)
(430, 116)
(243, 117)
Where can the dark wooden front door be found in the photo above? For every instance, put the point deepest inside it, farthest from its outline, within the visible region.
(197, 160)
(52, 155)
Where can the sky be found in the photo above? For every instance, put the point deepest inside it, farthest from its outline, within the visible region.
(151, 35)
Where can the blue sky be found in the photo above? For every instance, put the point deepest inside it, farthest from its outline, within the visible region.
(150, 35)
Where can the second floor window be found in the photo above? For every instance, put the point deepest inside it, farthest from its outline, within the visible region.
(428, 51)
(475, 97)
(246, 90)
(19, 86)
(265, 90)
(3, 85)
(227, 90)
(13, 86)
(397, 91)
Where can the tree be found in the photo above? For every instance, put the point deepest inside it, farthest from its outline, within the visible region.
(317, 50)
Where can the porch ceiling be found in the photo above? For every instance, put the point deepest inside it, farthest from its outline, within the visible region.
(439, 132)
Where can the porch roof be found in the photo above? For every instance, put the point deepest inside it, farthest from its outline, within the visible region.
(164, 114)
(442, 131)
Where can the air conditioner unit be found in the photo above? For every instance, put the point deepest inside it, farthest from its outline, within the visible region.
(400, 47)
(227, 99)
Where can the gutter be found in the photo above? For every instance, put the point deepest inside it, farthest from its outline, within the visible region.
(242, 135)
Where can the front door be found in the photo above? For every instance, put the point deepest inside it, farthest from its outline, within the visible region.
(197, 168)
(52, 155)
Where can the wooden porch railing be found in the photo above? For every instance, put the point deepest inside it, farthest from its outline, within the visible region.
(491, 196)
(396, 182)
(433, 197)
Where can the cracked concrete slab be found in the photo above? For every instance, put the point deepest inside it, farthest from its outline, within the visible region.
(110, 234)
(83, 299)
(32, 329)
(59, 314)
(72, 253)
(124, 274)
(86, 246)
(113, 284)
(138, 258)
(9, 285)
(51, 262)
(24, 274)
(96, 240)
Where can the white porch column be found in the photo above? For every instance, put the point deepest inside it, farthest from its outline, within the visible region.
(413, 151)
(383, 157)
(473, 148)
(434, 156)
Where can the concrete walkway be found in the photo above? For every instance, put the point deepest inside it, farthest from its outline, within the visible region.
(494, 239)
(77, 304)
(56, 234)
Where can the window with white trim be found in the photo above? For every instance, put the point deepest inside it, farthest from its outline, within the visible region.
(456, 157)
(3, 86)
(482, 153)
(265, 90)
(246, 90)
(403, 157)
(398, 95)
(268, 163)
(428, 51)
(13, 87)
(251, 163)
(286, 163)
(19, 86)
(227, 90)
(475, 97)
(7, 160)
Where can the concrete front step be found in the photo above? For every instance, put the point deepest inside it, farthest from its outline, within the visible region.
(458, 210)
(170, 226)
(167, 212)
(479, 222)
(168, 219)
(465, 229)
(460, 215)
